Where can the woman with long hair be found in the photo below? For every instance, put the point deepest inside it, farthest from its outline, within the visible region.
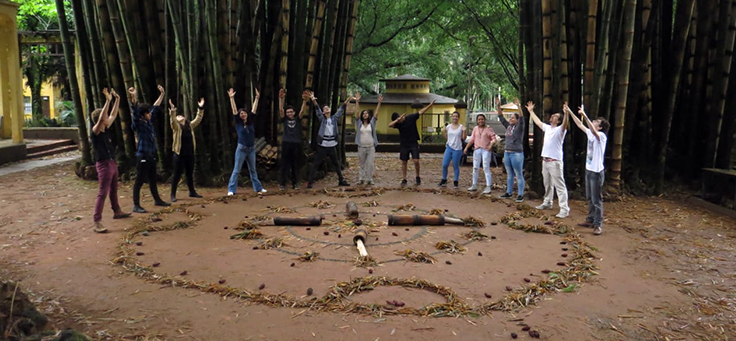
(366, 140)
(107, 168)
(455, 134)
(183, 146)
(246, 150)
(482, 139)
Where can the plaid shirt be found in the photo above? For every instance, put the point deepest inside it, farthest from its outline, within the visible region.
(144, 130)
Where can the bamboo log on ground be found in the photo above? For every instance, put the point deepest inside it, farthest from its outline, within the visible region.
(435, 220)
(309, 221)
(351, 210)
(359, 240)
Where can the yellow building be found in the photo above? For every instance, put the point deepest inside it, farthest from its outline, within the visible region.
(50, 96)
(11, 98)
(401, 91)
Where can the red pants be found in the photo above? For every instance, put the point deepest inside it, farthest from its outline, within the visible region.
(107, 176)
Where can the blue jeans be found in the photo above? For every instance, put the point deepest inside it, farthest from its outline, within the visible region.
(242, 154)
(514, 162)
(593, 192)
(455, 156)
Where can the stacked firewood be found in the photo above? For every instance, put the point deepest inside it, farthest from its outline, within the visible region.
(266, 154)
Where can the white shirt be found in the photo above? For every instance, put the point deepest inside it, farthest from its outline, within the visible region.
(454, 137)
(596, 151)
(553, 138)
(329, 131)
(366, 135)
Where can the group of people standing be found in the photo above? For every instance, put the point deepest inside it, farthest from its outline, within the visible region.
(482, 139)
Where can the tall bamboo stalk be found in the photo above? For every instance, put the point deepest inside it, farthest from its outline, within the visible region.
(547, 53)
(73, 85)
(589, 82)
(622, 89)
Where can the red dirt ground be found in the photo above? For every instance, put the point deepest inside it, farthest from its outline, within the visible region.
(666, 269)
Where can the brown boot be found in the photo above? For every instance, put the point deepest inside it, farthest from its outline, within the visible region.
(121, 215)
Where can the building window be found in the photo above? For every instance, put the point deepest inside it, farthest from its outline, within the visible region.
(27, 107)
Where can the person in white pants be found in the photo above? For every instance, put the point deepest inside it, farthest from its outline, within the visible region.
(552, 165)
(482, 139)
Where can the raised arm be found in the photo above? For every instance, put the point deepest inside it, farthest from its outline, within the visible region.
(423, 110)
(231, 94)
(254, 109)
(102, 119)
(305, 107)
(282, 94)
(200, 114)
(394, 122)
(574, 118)
(114, 112)
(530, 108)
(317, 109)
(566, 121)
(590, 124)
(378, 106)
(160, 98)
(172, 116)
(500, 113)
(357, 106)
(341, 109)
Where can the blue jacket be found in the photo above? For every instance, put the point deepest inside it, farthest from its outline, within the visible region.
(323, 123)
(359, 124)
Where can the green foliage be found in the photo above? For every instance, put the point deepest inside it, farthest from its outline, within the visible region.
(440, 40)
(38, 15)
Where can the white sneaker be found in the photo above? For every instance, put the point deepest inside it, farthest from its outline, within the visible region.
(562, 215)
(487, 190)
(544, 207)
(262, 191)
(472, 188)
(230, 194)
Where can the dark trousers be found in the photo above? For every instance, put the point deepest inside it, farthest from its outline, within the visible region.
(290, 155)
(181, 163)
(146, 171)
(322, 152)
(107, 176)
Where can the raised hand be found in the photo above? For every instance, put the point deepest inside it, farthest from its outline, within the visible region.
(432, 103)
(161, 89)
(201, 102)
(282, 93)
(305, 95)
(498, 102)
(311, 95)
(106, 93)
(171, 104)
(258, 94)
(231, 93)
(581, 110)
(516, 102)
(357, 96)
(380, 99)
(132, 91)
(530, 106)
(114, 94)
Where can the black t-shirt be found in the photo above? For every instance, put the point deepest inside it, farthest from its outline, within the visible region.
(292, 130)
(408, 134)
(187, 142)
(104, 149)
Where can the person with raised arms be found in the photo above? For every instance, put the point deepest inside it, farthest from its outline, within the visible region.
(553, 171)
(184, 144)
(366, 140)
(246, 150)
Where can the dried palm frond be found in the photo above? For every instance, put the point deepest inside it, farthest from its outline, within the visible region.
(474, 235)
(321, 204)
(271, 243)
(309, 256)
(365, 262)
(436, 211)
(248, 234)
(450, 247)
(416, 256)
(279, 209)
(245, 225)
(407, 207)
(371, 203)
(260, 217)
(473, 222)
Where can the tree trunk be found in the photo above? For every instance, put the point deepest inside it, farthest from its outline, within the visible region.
(589, 82)
(547, 52)
(85, 57)
(622, 89)
(73, 85)
(726, 34)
